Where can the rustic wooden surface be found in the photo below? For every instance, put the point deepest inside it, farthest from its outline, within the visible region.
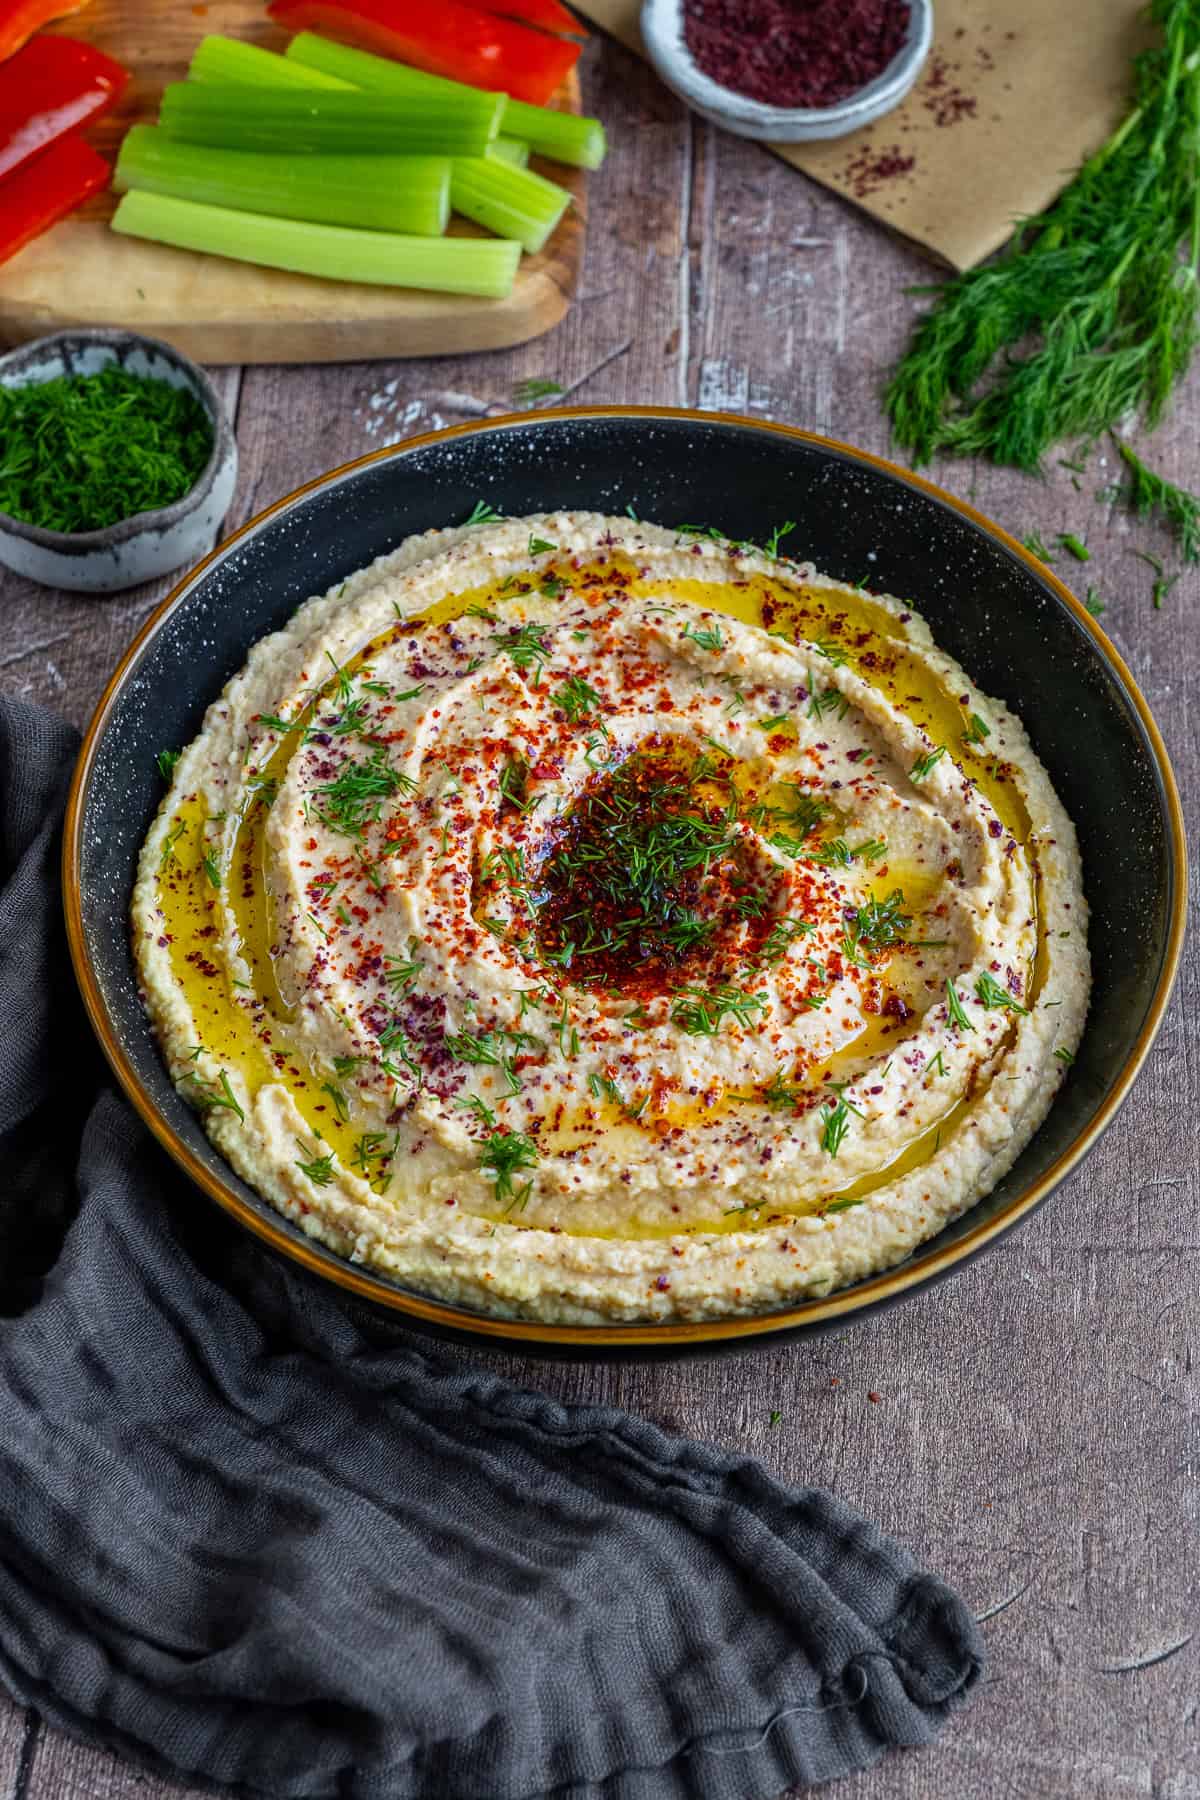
(218, 310)
(1035, 1433)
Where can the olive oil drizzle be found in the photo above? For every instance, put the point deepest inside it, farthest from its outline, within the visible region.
(246, 1031)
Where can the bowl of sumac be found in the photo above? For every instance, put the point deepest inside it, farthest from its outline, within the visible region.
(788, 71)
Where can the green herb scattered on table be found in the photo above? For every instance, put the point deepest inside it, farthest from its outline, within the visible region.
(81, 452)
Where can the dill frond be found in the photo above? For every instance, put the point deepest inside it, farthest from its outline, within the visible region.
(1090, 315)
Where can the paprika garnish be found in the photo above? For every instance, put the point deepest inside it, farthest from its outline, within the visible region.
(52, 86)
(794, 52)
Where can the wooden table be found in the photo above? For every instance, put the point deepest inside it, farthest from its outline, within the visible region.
(1030, 1427)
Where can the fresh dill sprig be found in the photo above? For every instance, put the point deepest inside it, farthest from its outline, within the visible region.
(504, 1153)
(1151, 495)
(1090, 315)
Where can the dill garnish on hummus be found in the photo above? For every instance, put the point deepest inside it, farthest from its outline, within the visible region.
(582, 920)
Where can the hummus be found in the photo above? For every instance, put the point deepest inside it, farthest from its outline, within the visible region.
(584, 921)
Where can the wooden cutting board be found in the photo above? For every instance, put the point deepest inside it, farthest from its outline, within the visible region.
(217, 311)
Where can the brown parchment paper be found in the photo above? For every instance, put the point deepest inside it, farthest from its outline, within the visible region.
(1014, 96)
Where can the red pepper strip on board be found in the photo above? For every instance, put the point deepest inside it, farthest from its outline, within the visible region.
(547, 14)
(449, 38)
(19, 19)
(45, 189)
(49, 88)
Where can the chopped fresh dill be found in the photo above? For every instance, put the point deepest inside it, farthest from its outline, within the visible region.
(81, 452)
(340, 1106)
(514, 783)
(835, 1123)
(1064, 1055)
(496, 1048)
(1035, 542)
(537, 545)
(482, 514)
(575, 699)
(475, 1103)
(954, 1007)
(880, 923)
(925, 765)
(503, 1155)
(1074, 546)
(781, 936)
(211, 869)
(870, 850)
(707, 637)
(165, 762)
(528, 648)
(207, 1094)
(989, 993)
(400, 972)
(700, 1011)
(977, 731)
(319, 1169)
(354, 799)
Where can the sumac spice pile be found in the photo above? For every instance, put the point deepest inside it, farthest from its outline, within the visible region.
(794, 52)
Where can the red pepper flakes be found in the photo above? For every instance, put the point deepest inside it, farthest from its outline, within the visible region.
(794, 52)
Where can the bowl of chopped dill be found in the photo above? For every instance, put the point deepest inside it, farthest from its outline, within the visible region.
(117, 462)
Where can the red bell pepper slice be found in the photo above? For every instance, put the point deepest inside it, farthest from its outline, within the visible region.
(45, 189)
(19, 19)
(443, 37)
(546, 13)
(49, 88)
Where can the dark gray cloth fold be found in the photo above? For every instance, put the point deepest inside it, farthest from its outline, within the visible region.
(254, 1534)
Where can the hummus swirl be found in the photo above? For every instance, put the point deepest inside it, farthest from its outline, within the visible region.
(581, 920)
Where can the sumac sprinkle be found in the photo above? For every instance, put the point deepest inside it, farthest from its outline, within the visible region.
(794, 52)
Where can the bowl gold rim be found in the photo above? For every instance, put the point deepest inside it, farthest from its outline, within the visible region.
(889, 1285)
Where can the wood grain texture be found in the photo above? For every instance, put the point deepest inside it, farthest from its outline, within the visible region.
(220, 311)
(1036, 1436)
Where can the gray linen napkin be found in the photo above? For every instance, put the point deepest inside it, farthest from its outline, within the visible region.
(253, 1534)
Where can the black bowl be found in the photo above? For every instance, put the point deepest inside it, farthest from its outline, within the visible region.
(990, 603)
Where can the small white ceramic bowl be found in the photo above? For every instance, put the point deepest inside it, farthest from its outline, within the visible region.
(662, 33)
(148, 543)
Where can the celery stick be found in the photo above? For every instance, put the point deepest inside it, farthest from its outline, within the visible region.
(514, 203)
(485, 266)
(301, 120)
(382, 193)
(224, 59)
(564, 136)
(510, 150)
